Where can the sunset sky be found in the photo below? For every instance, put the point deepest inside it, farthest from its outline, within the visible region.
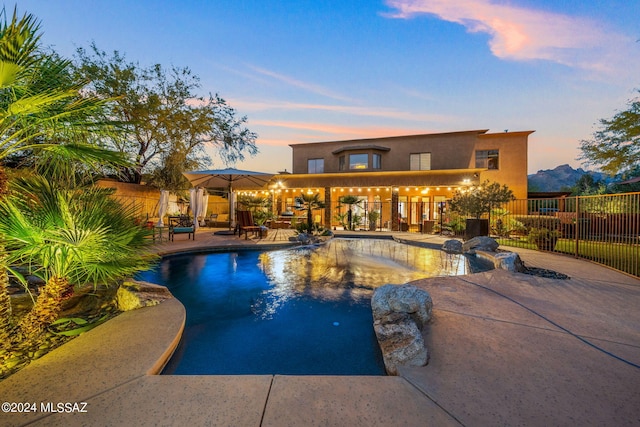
(307, 71)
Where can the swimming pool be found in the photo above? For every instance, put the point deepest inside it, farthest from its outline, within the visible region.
(300, 311)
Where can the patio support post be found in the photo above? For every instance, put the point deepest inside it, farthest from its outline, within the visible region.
(327, 207)
(395, 223)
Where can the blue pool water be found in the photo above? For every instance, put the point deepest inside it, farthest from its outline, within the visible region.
(302, 311)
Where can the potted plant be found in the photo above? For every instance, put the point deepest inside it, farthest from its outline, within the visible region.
(544, 238)
(373, 220)
(474, 202)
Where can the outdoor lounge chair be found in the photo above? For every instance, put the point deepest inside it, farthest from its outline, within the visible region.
(181, 225)
(246, 224)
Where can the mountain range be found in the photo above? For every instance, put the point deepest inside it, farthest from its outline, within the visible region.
(562, 178)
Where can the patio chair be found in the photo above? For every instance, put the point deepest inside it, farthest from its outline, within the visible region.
(181, 225)
(246, 224)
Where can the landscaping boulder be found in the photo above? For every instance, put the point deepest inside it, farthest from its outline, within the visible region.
(401, 343)
(509, 261)
(452, 246)
(133, 294)
(392, 299)
(399, 314)
(480, 243)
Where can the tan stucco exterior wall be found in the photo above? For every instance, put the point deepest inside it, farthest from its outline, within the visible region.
(449, 151)
(512, 169)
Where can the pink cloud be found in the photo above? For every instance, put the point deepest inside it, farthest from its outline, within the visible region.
(520, 33)
(327, 132)
(344, 109)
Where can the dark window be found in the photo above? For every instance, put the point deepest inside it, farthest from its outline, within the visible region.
(376, 161)
(487, 159)
(341, 163)
(358, 161)
(315, 166)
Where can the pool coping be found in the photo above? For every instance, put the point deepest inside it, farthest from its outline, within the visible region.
(98, 368)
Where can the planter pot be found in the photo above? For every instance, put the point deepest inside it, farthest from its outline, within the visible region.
(476, 227)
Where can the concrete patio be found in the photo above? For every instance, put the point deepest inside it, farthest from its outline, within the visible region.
(506, 349)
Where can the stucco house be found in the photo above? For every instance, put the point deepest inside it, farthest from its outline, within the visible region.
(403, 178)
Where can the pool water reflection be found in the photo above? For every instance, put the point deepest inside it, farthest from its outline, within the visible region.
(299, 311)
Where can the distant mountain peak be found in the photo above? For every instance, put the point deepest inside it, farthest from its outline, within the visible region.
(560, 178)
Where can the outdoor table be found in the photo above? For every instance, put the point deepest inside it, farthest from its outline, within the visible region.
(157, 230)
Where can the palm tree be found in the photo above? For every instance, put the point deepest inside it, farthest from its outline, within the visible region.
(350, 201)
(41, 110)
(309, 202)
(69, 238)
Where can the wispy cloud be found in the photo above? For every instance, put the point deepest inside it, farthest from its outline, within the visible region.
(313, 131)
(309, 87)
(343, 109)
(520, 33)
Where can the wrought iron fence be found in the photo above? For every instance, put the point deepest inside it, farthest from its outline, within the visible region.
(604, 229)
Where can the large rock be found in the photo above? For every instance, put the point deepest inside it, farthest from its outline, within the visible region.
(509, 261)
(399, 314)
(401, 344)
(452, 246)
(389, 300)
(480, 243)
(134, 294)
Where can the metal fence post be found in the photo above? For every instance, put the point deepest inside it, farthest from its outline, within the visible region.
(577, 252)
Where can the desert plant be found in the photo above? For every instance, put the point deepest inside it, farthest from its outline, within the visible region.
(342, 218)
(373, 217)
(477, 201)
(503, 224)
(308, 203)
(42, 110)
(350, 201)
(69, 238)
(544, 238)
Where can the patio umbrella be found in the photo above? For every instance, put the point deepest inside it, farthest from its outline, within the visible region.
(163, 204)
(229, 178)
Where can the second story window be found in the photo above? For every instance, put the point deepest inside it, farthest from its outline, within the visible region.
(420, 161)
(359, 161)
(315, 166)
(341, 163)
(376, 161)
(487, 159)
